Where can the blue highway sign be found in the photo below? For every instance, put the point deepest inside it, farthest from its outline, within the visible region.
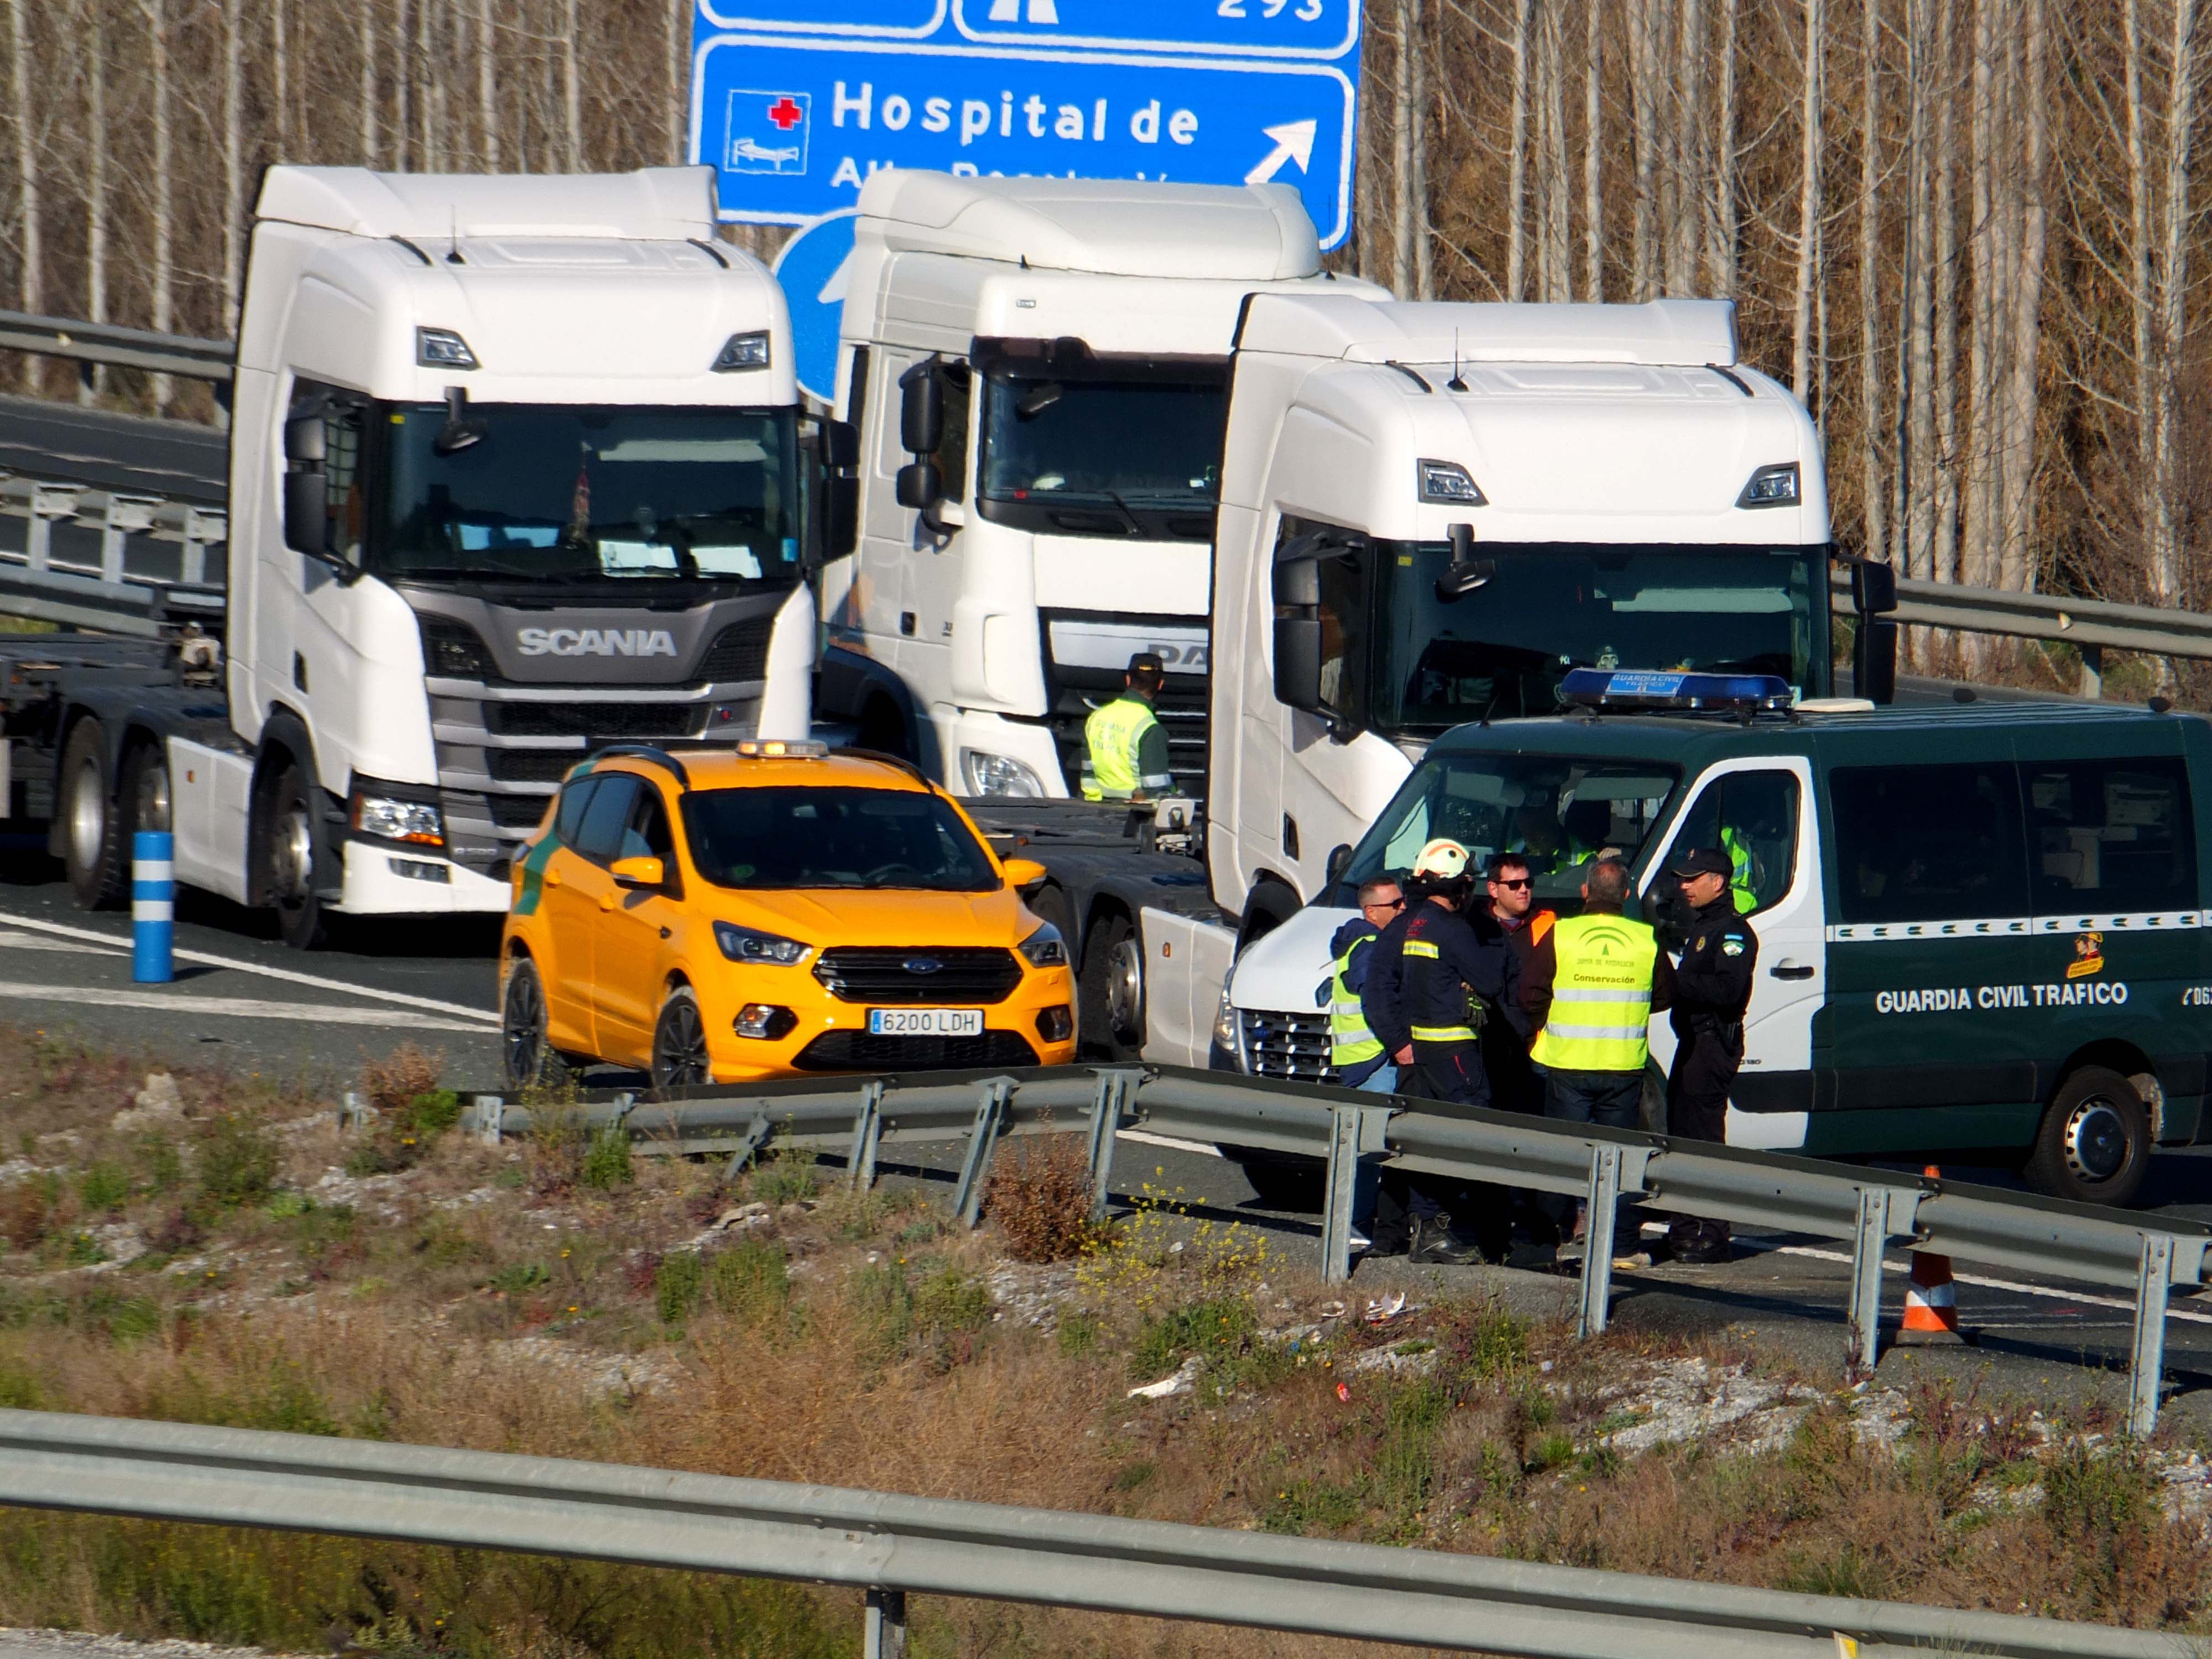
(890, 19)
(1320, 29)
(795, 125)
(813, 268)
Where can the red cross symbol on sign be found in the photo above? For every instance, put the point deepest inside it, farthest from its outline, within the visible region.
(786, 114)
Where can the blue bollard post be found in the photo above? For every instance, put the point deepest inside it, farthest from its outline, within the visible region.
(153, 907)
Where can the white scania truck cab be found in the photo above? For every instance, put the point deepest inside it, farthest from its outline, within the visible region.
(1038, 368)
(517, 470)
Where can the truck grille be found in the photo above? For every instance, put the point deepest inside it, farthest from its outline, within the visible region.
(740, 652)
(604, 722)
(1293, 1046)
(530, 765)
(856, 1051)
(963, 976)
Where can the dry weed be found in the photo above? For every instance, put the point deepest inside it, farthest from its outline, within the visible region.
(1039, 1196)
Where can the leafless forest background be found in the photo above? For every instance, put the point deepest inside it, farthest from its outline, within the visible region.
(1967, 233)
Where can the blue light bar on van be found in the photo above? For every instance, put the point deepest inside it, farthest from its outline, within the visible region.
(1636, 688)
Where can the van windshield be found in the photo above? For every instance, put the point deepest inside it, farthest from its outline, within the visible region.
(1559, 812)
(833, 837)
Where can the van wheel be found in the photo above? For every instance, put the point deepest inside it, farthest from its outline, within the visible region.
(679, 1043)
(2094, 1143)
(524, 1044)
(1112, 995)
(92, 842)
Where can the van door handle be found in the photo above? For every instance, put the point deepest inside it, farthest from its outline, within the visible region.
(1791, 970)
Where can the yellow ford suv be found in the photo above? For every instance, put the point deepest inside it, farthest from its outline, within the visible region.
(724, 915)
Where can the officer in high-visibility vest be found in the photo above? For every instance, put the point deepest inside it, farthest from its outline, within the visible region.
(1592, 983)
(1125, 749)
(1712, 991)
(1357, 1054)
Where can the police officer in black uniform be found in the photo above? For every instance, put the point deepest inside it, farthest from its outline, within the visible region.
(1712, 988)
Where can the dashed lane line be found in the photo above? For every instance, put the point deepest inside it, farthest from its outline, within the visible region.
(405, 1000)
(182, 1002)
(1981, 1283)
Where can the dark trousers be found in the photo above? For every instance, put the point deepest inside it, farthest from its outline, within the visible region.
(1612, 1100)
(1697, 1109)
(1479, 1211)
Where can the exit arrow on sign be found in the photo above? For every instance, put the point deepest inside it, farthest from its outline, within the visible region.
(1294, 141)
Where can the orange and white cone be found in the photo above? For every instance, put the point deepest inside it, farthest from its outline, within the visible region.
(1931, 1299)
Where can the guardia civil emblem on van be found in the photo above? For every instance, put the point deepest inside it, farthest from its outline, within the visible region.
(2088, 956)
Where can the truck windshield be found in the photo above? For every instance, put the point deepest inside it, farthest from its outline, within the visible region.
(585, 494)
(1557, 812)
(1102, 457)
(773, 837)
(1400, 660)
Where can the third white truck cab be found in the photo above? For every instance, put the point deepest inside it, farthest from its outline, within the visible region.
(1039, 369)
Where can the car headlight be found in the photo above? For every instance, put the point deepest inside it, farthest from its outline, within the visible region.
(986, 774)
(417, 822)
(1045, 948)
(1225, 1032)
(749, 945)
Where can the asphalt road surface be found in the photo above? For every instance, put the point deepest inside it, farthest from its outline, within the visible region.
(61, 443)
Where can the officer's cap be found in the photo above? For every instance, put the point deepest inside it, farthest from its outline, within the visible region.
(1701, 861)
(1440, 856)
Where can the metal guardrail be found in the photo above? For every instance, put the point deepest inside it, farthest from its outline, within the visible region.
(123, 348)
(149, 569)
(1343, 1128)
(890, 1545)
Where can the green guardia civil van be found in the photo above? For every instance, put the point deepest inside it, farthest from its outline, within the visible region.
(1979, 927)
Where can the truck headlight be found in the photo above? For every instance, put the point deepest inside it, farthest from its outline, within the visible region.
(986, 774)
(416, 823)
(1044, 948)
(748, 945)
(1225, 1031)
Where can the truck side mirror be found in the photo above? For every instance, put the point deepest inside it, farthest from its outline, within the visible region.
(921, 485)
(1873, 659)
(840, 451)
(921, 412)
(841, 445)
(307, 491)
(1874, 588)
(1297, 634)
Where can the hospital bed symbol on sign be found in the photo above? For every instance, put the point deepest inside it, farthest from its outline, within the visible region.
(767, 131)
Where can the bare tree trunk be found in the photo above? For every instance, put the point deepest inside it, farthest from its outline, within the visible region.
(2167, 269)
(1946, 553)
(1643, 71)
(678, 13)
(1978, 567)
(233, 157)
(403, 157)
(30, 285)
(95, 183)
(1592, 152)
(280, 75)
(487, 83)
(1417, 53)
(1870, 414)
(1680, 185)
(2016, 569)
(428, 114)
(1369, 192)
(366, 19)
(164, 204)
(1915, 347)
(1721, 217)
(572, 88)
(1517, 166)
(1555, 257)
(1810, 198)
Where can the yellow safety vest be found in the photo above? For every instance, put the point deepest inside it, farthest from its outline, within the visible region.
(1350, 1042)
(1600, 1013)
(1742, 889)
(1111, 738)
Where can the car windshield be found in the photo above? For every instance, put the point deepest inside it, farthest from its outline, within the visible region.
(832, 837)
(585, 493)
(1557, 813)
(1098, 456)
(1399, 659)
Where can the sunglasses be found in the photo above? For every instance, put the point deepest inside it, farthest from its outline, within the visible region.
(1525, 881)
(1387, 904)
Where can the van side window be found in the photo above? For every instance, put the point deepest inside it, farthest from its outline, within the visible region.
(2111, 834)
(1752, 818)
(568, 822)
(1929, 843)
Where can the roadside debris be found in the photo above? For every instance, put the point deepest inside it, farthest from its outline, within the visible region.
(1181, 1382)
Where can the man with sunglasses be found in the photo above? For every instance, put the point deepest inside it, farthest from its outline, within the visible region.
(1358, 1056)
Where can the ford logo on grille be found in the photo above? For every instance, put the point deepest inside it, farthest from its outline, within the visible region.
(922, 964)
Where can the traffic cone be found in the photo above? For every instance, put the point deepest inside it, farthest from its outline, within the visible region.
(1932, 1300)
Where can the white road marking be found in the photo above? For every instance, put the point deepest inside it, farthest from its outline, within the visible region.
(458, 1009)
(1147, 1137)
(237, 1007)
(39, 942)
(2050, 1290)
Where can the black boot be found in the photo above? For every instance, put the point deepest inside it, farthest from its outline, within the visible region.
(1433, 1246)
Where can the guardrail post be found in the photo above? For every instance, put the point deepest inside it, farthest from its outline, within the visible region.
(1354, 1133)
(867, 1134)
(2154, 1285)
(2092, 671)
(1870, 1239)
(756, 1137)
(1599, 1219)
(46, 502)
(1107, 1105)
(990, 1112)
(885, 1626)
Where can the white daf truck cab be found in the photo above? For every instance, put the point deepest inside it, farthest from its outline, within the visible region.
(1038, 368)
(517, 470)
(1429, 515)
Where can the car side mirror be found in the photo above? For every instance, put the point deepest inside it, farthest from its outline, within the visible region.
(1297, 634)
(636, 873)
(922, 412)
(1022, 873)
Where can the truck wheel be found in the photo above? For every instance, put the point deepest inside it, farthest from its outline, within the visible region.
(2094, 1143)
(92, 842)
(529, 1055)
(1112, 992)
(146, 787)
(295, 859)
(679, 1043)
